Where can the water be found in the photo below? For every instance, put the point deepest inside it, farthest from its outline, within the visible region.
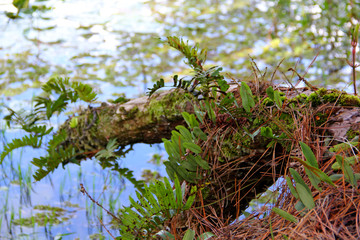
(54, 207)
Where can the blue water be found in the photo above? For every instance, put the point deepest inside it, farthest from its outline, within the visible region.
(19, 194)
(62, 187)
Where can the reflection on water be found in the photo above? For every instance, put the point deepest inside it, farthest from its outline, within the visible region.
(55, 206)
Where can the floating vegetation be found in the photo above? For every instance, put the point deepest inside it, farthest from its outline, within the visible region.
(48, 215)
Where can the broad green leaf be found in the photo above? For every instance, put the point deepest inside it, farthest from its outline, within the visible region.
(210, 111)
(284, 214)
(351, 160)
(343, 146)
(189, 235)
(192, 147)
(178, 193)
(191, 198)
(199, 133)
(267, 132)
(299, 206)
(246, 97)
(292, 189)
(199, 114)
(206, 236)
(202, 163)
(187, 119)
(270, 93)
(335, 177)
(184, 132)
(298, 178)
(305, 196)
(278, 100)
(347, 170)
(315, 181)
(189, 165)
(165, 235)
(309, 155)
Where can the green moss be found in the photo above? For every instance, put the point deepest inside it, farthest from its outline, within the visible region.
(332, 96)
(315, 99)
(349, 100)
(165, 107)
(320, 118)
(268, 102)
(351, 134)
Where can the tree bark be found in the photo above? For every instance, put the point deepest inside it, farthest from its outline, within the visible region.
(243, 177)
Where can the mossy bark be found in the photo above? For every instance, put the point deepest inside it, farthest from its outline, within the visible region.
(254, 166)
(142, 120)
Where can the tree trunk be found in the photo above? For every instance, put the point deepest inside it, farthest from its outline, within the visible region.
(239, 171)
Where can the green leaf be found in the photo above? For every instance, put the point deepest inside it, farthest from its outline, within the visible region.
(19, 4)
(184, 132)
(199, 114)
(313, 179)
(165, 235)
(199, 133)
(246, 97)
(189, 235)
(267, 132)
(343, 146)
(299, 206)
(178, 193)
(305, 196)
(298, 179)
(187, 119)
(74, 122)
(210, 111)
(202, 163)
(347, 170)
(291, 187)
(285, 214)
(192, 147)
(30, 140)
(191, 198)
(335, 177)
(309, 155)
(351, 161)
(278, 100)
(206, 236)
(270, 93)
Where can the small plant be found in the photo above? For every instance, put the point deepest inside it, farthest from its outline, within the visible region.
(353, 65)
(184, 154)
(301, 191)
(158, 203)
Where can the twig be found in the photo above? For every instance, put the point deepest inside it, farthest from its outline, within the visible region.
(83, 190)
(105, 228)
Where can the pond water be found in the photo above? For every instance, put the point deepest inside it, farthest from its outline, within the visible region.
(54, 208)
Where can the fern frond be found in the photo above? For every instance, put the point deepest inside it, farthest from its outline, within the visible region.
(50, 162)
(196, 58)
(159, 84)
(57, 139)
(84, 91)
(155, 205)
(31, 140)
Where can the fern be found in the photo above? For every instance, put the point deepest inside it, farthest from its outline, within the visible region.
(196, 57)
(205, 80)
(31, 140)
(159, 84)
(158, 203)
(184, 154)
(109, 151)
(50, 162)
(62, 91)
